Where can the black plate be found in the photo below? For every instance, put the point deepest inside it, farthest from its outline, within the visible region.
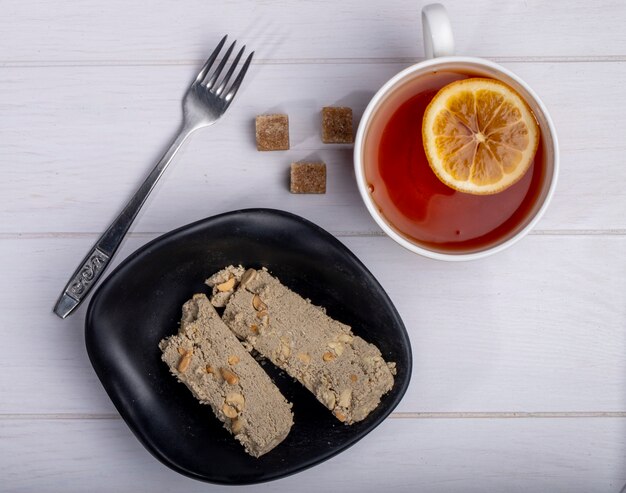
(140, 303)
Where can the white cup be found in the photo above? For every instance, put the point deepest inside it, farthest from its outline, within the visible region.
(439, 49)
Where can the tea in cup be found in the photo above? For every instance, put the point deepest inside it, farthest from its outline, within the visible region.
(456, 157)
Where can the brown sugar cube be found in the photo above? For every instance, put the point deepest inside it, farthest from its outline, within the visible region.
(337, 125)
(308, 178)
(272, 132)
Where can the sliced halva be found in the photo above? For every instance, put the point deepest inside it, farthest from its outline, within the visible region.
(207, 357)
(346, 373)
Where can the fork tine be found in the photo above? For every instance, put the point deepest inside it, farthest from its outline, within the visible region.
(211, 82)
(235, 87)
(210, 60)
(232, 68)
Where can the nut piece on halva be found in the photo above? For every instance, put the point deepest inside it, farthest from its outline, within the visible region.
(223, 284)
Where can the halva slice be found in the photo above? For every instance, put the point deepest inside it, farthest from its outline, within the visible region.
(207, 357)
(346, 373)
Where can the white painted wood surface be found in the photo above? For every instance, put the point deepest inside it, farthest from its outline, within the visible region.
(106, 126)
(472, 455)
(520, 370)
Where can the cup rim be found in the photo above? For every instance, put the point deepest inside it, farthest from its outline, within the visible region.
(360, 172)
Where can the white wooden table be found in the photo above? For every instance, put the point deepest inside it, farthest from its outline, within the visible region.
(519, 381)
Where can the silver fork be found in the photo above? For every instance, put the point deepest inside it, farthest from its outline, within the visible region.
(206, 100)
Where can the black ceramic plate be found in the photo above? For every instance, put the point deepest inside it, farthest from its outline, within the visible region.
(140, 303)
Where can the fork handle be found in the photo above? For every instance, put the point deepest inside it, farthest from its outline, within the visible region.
(99, 257)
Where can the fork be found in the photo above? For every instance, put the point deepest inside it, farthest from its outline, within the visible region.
(206, 100)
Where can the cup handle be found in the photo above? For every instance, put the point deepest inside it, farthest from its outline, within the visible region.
(438, 38)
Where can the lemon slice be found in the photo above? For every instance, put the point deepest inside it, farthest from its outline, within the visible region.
(479, 135)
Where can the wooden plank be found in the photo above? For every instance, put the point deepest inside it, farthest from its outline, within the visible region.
(402, 455)
(44, 32)
(538, 328)
(75, 152)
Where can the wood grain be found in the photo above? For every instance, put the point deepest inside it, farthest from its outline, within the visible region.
(520, 376)
(168, 32)
(441, 455)
(538, 328)
(89, 139)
